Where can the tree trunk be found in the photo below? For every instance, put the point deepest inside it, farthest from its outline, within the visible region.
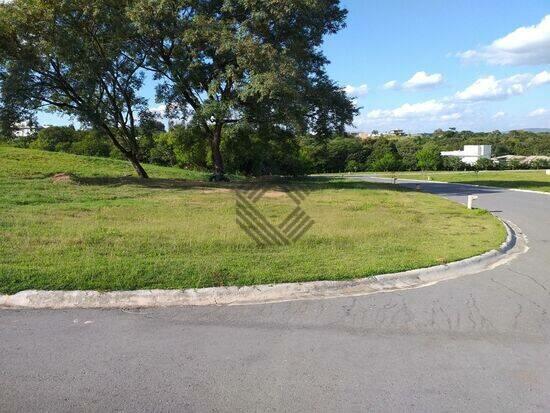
(137, 166)
(217, 160)
(131, 156)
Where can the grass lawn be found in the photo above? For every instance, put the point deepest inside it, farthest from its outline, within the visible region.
(105, 230)
(533, 180)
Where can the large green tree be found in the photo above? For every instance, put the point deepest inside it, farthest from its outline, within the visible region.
(429, 157)
(77, 57)
(221, 62)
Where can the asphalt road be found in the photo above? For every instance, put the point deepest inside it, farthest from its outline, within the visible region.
(477, 343)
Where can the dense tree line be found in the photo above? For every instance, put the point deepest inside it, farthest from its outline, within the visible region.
(422, 152)
(251, 150)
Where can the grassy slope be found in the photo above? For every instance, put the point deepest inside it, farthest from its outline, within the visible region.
(104, 230)
(532, 180)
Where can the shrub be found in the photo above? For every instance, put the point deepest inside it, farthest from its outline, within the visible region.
(540, 164)
(355, 166)
(55, 138)
(91, 143)
(453, 163)
(484, 164)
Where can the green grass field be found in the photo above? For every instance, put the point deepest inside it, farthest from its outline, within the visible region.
(532, 180)
(104, 229)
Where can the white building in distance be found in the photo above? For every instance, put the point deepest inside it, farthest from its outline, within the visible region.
(471, 153)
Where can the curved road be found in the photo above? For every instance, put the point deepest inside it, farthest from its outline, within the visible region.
(477, 343)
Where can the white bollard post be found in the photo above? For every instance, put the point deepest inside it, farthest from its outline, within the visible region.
(471, 199)
(548, 172)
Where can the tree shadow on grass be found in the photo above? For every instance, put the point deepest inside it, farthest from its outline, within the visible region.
(157, 183)
(309, 184)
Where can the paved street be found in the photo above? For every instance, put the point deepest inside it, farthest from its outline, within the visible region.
(477, 343)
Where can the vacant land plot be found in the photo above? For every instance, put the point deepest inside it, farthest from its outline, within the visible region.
(532, 180)
(70, 222)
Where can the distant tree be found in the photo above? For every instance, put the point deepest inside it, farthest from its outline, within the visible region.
(340, 150)
(384, 156)
(149, 125)
(55, 138)
(429, 157)
(313, 153)
(261, 151)
(438, 132)
(354, 166)
(453, 163)
(74, 57)
(357, 159)
(91, 143)
(163, 150)
(407, 149)
(387, 162)
(484, 164)
(190, 148)
(259, 62)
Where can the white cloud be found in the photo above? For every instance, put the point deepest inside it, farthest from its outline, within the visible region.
(463, 107)
(452, 116)
(524, 46)
(540, 79)
(421, 80)
(391, 85)
(408, 110)
(487, 88)
(158, 110)
(491, 88)
(540, 112)
(356, 91)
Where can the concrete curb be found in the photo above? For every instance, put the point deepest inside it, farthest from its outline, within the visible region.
(514, 245)
(529, 191)
(405, 180)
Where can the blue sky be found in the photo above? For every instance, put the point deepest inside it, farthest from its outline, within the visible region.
(477, 65)
(392, 40)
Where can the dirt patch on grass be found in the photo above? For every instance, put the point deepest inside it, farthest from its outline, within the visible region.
(61, 178)
(215, 190)
(274, 194)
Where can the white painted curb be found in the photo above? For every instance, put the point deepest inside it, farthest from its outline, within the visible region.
(514, 245)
